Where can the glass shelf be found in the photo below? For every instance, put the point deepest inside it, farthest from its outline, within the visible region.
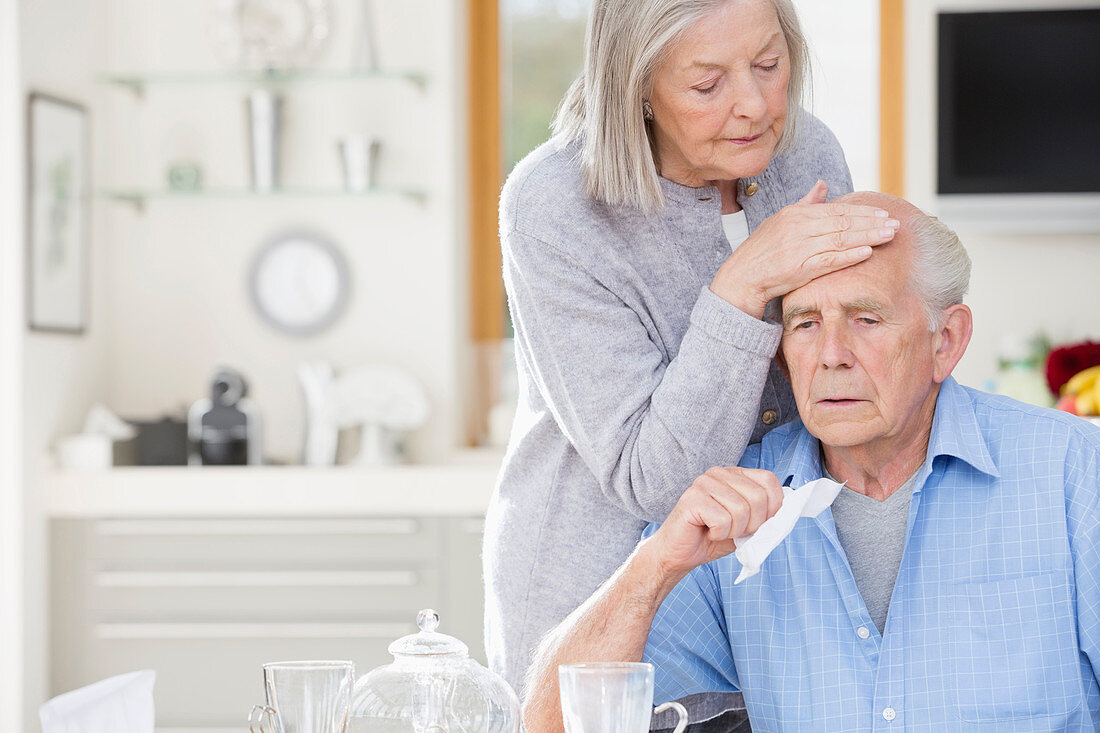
(139, 197)
(138, 82)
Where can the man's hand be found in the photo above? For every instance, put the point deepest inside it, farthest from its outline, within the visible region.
(613, 624)
(723, 504)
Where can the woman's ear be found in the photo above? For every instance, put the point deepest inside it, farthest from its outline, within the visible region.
(950, 340)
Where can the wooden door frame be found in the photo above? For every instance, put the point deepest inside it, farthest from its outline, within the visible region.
(486, 157)
(892, 96)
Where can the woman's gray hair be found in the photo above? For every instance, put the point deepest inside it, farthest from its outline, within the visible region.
(941, 266)
(626, 42)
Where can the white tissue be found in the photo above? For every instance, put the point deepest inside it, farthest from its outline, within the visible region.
(122, 704)
(808, 501)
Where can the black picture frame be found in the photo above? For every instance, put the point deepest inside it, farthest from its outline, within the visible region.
(58, 214)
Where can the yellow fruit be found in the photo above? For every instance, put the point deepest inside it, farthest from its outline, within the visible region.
(1088, 402)
(1081, 381)
(1095, 392)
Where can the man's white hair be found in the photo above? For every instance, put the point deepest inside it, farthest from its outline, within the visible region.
(626, 42)
(941, 266)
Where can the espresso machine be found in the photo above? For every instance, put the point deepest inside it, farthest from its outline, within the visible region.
(224, 429)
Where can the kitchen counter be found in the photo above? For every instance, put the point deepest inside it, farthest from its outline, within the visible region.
(461, 486)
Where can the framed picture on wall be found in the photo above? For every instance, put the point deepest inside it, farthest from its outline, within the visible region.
(57, 214)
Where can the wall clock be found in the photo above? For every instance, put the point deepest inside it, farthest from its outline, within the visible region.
(299, 282)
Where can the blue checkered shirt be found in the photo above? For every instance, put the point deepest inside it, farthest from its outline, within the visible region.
(994, 623)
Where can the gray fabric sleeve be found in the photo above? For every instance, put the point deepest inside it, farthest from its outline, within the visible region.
(644, 429)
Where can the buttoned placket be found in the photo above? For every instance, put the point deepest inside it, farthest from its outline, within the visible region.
(889, 697)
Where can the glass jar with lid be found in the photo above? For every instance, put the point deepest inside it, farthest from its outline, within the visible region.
(432, 686)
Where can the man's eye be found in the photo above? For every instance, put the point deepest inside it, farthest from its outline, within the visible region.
(867, 320)
(804, 325)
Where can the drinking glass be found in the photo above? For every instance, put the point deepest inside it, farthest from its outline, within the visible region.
(610, 697)
(304, 697)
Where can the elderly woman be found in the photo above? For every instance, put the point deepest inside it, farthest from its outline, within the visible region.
(683, 192)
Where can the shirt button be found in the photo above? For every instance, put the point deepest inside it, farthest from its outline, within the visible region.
(889, 714)
(863, 633)
(769, 416)
(752, 188)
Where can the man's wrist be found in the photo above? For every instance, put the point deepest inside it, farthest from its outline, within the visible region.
(653, 572)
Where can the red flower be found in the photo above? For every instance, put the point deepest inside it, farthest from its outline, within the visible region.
(1065, 361)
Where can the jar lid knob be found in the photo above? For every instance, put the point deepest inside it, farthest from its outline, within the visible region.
(427, 620)
(428, 642)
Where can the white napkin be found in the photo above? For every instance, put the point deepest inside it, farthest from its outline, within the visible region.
(808, 501)
(122, 704)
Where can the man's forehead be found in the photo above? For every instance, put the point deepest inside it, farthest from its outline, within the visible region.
(877, 278)
(850, 291)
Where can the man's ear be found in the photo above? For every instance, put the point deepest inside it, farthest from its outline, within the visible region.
(951, 340)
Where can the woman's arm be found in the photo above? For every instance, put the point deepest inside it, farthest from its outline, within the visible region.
(645, 429)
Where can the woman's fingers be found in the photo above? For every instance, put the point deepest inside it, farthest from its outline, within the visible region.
(832, 260)
(852, 238)
(849, 223)
(817, 194)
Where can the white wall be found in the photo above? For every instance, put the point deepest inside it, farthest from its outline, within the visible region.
(169, 298)
(179, 305)
(1020, 284)
(62, 375)
(11, 368)
(843, 40)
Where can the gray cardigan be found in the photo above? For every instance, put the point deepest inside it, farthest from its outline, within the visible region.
(634, 378)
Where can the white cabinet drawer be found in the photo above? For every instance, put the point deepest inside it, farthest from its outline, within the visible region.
(205, 602)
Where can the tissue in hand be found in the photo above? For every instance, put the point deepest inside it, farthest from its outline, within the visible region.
(808, 501)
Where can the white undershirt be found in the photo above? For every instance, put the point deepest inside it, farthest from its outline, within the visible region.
(736, 227)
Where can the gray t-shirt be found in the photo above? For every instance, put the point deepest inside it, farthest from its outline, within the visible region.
(872, 534)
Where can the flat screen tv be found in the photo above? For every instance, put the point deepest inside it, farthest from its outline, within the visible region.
(1019, 102)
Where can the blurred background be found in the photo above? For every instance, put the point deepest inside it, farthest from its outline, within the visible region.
(255, 367)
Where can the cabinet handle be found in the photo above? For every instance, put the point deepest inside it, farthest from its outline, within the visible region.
(257, 579)
(255, 527)
(128, 631)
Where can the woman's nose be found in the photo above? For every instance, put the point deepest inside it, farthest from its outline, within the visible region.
(748, 99)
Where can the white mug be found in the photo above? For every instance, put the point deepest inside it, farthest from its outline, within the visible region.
(610, 697)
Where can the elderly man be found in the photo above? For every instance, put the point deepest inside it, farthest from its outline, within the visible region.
(954, 585)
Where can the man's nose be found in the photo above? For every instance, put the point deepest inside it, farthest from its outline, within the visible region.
(836, 352)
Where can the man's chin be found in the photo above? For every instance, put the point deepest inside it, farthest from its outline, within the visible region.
(840, 432)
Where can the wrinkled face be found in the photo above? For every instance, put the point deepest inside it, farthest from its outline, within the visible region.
(720, 97)
(859, 352)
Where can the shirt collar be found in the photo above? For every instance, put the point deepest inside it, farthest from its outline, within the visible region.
(955, 433)
(955, 430)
